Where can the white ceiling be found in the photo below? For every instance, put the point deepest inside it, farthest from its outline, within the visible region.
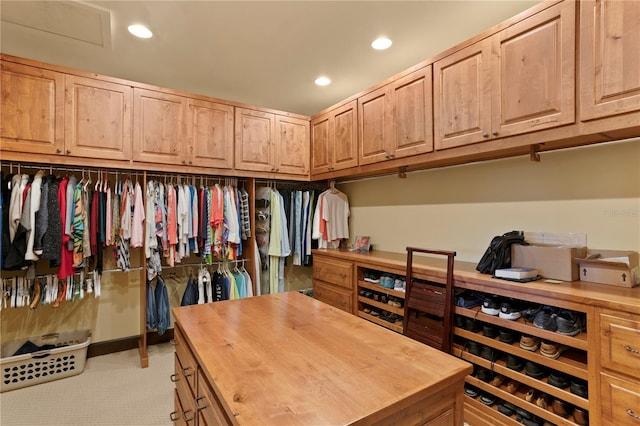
(265, 53)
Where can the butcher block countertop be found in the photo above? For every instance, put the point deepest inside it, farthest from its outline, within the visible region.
(290, 359)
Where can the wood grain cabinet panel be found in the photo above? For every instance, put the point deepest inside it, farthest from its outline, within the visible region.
(413, 113)
(534, 78)
(334, 139)
(375, 125)
(210, 133)
(620, 343)
(255, 135)
(267, 142)
(292, 145)
(520, 80)
(620, 402)
(98, 116)
(609, 58)
(159, 127)
(462, 96)
(334, 296)
(395, 120)
(32, 109)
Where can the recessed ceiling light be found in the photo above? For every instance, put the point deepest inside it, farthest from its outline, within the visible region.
(140, 31)
(323, 81)
(381, 43)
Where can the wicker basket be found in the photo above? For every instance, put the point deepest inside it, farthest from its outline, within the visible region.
(66, 359)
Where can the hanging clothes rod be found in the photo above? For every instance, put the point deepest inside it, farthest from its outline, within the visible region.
(35, 166)
(298, 185)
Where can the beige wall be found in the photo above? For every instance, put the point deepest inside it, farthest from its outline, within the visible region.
(593, 190)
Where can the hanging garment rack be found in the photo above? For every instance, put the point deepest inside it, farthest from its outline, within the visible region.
(100, 174)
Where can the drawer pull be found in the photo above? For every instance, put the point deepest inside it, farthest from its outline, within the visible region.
(174, 378)
(174, 416)
(173, 342)
(198, 407)
(187, 371)
(184, 416)
(630, 349)
(632, 414)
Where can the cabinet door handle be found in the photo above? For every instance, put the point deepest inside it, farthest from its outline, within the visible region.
(173, 342)
(184, 416)
(485, 135)
(174, 416)
(198, 407)
(631, 413)
(58, 150)
(174, 378)
(187, 371)
(68, 151)
(392, 155)
(494, 133)
(630, 349)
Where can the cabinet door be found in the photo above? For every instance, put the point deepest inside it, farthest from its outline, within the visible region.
(376, 126)
(292, 145)
(32, 109)
(343, 137)
(210, 133)
(98, 118)
(412, 99)
(320, 154)
(462, 96)
(534, 78)
(159, 133)
(609, 58)
(334, 296)
(255, 134)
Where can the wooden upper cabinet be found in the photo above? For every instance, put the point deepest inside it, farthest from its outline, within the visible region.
(98, 116)
(519, 80)
(255, 135)
(291, 154)
(32, 109)
(210, 133)
(412, 99)
(375, 125)
(462, 96)
(609, 58)
(334, 139)
(396, 119)
(159, 127)
(534, 79)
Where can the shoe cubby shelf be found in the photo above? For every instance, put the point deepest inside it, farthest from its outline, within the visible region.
(499, 367)
(380, 305)
(391, 326)
(579, 341)
(490, 412)
(572, 361)
(380, 289)
(518, 400)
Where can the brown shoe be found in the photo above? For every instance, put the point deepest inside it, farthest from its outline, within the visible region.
(37, 293)
(497, 381)
(551, 349)
(530, 343)
(580, 416)
(530, 395)
(561, 408)
(542, 401)
(512, 386)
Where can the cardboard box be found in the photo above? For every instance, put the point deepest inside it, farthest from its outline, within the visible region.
(613, 267)
(554, 262)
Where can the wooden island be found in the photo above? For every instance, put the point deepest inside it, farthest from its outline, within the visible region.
(290, 359)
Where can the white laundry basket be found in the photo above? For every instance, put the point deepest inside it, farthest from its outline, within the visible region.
(66, 359)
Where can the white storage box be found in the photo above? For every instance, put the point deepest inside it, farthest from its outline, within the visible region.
(65, 359)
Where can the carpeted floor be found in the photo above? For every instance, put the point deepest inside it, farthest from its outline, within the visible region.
(111, 391)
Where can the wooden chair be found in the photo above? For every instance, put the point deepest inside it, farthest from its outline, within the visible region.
(428, 308)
